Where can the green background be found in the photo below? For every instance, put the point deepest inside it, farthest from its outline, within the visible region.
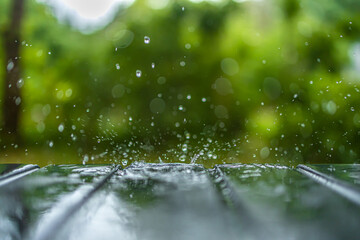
(251, 81)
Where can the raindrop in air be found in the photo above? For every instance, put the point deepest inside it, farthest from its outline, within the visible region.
(20, 83)
(85, 159)
(146, 40)
(10, 66)
(61, 127)
(184, 147)
(138, 73)
(17, 101)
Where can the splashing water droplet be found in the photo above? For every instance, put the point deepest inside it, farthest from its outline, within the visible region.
(85, 159)
(146, 40)
(138, 73)
(182, 158)
(184, 147)
(124, 162)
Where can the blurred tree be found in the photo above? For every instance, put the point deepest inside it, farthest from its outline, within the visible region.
(12, 95)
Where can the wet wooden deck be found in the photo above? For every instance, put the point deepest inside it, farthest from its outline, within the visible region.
(180, 201)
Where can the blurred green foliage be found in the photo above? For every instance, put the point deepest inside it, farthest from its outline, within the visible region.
(278, 79)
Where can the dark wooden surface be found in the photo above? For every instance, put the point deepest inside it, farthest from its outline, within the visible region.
(180, 201)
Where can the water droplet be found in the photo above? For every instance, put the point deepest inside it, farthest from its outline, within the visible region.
(61, 127)
(188, 46)
(85, 159)
(183, 9)
(124, 162)
(51, 144)
(203, 99)
(138, 73)
(184, 147)
(20, 83)
(10, 66)
(182, 158)
(117, 66)
(146, 40)
(152, 65)
(18, 101)
(188, 97)
(181, 108)
(182, 63)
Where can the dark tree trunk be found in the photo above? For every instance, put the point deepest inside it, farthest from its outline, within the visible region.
(12, 94)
